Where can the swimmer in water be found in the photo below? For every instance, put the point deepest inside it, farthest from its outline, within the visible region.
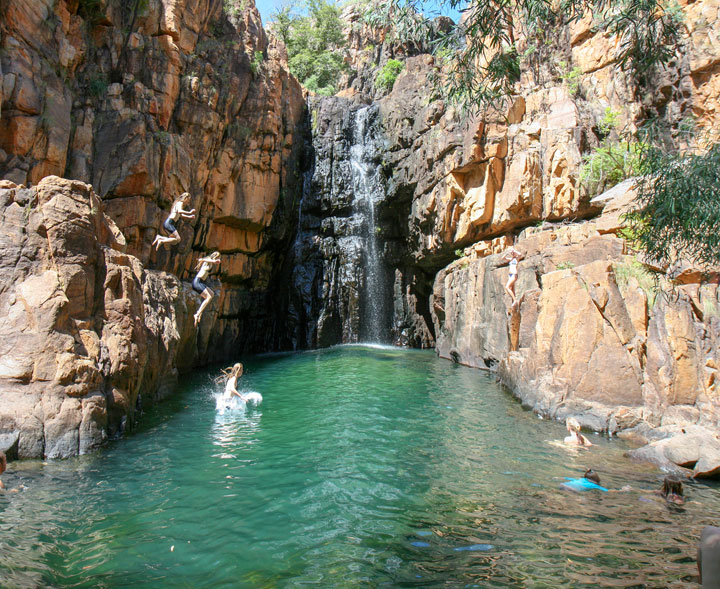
(575, 438)
(176, 212)
(233, 373)
(590, 481)
(203, 268)
(672, 490)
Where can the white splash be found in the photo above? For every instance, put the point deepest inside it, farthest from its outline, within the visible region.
(236, 404)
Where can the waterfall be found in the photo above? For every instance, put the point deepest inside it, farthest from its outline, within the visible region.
(335, 287)
(368, 191)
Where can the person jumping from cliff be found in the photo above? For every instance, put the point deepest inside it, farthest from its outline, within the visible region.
(176, 212)
(203, 267)
(514, 256)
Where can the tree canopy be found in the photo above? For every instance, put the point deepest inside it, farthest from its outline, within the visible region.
(678, 205)
(313, 34)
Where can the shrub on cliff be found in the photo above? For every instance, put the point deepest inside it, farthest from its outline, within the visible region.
(678, 212)
(313, 34)
(387, 75)
(610, 164)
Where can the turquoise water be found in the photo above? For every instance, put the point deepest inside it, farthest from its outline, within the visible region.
(362, 467)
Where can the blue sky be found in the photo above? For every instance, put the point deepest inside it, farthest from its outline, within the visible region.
(268, 7)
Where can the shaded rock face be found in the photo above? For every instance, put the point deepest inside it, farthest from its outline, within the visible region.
(339, 279)
(89, 333)
(146, 100)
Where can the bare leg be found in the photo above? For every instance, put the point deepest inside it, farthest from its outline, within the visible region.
(708, 557)
(160, 240)
(510, 288)
(207, 296)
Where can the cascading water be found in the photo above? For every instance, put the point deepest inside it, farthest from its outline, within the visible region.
(369, 191)
(336, 285)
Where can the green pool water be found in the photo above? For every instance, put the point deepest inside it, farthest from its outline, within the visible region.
(363, 466)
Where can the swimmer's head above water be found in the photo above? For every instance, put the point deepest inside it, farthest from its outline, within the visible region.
(591, 475)
(672, 490)
(572, 425)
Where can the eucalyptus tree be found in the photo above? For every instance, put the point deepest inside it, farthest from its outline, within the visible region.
(678, 204)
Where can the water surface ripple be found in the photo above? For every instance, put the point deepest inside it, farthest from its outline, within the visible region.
(364, 466)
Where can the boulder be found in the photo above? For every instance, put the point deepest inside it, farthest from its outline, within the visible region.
(89, 330)
(695, 449)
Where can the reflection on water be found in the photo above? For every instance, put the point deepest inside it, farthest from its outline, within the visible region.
(377, 467)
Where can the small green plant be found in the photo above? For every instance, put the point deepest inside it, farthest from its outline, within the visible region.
(567, 265)
(91, 11)
(609, 122)
(233, 7)
(610, 164)
(648, 281)
(239, 131)
(387, 75)
(257, 62)
(97, 85)
(571, 79)
(459, 253)
(163, 137)
(688, 126)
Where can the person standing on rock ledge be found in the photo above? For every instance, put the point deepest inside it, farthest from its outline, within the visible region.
(203, 267)
(176, 212)
(514, 256)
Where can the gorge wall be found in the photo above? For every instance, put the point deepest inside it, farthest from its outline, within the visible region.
(137, 101)
(594, 336)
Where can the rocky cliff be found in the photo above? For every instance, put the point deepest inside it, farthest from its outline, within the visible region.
(88, 333)
(595, 336)
(147, 99)
(142, 100)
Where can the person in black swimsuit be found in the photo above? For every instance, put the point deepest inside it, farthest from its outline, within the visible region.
(176, 212)
(198, 284)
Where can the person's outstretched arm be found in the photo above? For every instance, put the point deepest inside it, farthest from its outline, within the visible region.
(187, 214)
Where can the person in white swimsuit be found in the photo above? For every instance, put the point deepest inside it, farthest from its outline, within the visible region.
(231, 391)
(514, 256)
(176, 212)
(198, 284)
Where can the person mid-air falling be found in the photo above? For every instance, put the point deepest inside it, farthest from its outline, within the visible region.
(176, 212)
